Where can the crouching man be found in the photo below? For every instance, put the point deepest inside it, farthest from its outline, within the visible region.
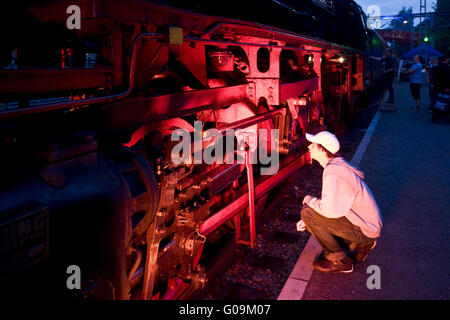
(347, 209)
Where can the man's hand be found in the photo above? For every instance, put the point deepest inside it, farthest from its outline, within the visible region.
(306, 199)
(301, 226)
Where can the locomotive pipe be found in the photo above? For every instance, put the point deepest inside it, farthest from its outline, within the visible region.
(136, 263)
(137, 277)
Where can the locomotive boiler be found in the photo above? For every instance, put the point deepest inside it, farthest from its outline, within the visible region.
(96, 97)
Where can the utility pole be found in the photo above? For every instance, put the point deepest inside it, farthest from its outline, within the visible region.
(422, 11)
(432, 31)
(431, 20)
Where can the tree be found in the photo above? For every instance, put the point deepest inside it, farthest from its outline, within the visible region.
(441, 29)
(404, 22)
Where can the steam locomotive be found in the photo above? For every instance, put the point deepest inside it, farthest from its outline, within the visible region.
(93, 204)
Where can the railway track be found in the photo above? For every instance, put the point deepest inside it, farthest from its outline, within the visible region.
(239, 272)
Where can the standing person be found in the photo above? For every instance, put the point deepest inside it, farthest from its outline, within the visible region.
(347, 208)
(430, 78)
(415, 82)
(389, 73)
(441, 76)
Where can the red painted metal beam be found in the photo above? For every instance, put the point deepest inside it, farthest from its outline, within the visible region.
(135, 111)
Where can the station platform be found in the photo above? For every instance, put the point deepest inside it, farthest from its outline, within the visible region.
(406, 161)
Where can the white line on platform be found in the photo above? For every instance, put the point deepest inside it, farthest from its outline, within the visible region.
(357, 157)
(295, 286)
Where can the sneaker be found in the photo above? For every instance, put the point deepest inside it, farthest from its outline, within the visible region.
(362, 251)
(342, 266)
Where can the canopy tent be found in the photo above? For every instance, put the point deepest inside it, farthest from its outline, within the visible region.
(424, 50)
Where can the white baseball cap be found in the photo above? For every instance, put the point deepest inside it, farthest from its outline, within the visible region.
(325, 139)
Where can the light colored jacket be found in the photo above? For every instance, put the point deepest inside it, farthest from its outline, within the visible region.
(345, 194)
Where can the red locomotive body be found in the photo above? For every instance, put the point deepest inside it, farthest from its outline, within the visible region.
(90, 105)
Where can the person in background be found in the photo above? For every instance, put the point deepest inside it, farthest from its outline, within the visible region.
(441, 76)
(389, 73)
(430, 80)
(415, 82)
(347, 209)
